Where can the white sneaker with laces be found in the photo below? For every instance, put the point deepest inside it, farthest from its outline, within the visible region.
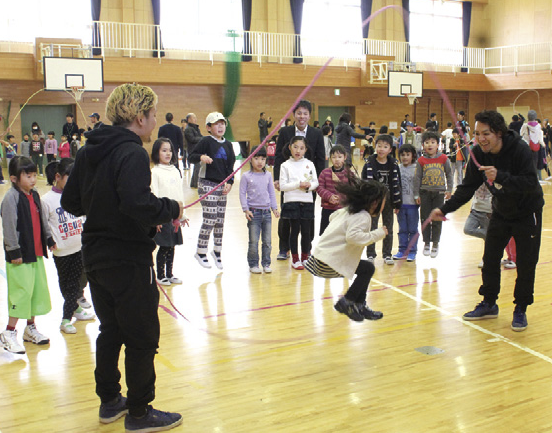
(389, 260)
(434, 252)
(427, 250)
(84, 315)
(32, 335)
(68, 328)
(175, 280)
(371, 259)
(163, 281)
(267, 269)
(255, 270)
(218, 260)
(203, 261)
(510, 265)
(84, 303)
(8, 339)
(298, 265)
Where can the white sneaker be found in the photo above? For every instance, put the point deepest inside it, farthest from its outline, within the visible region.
(218, 260)
(510, 265)
(434, 252)
(427, 250)
(389, 260)
(203, 261)
(32, 335)
(163, 281)
(504, 261)
(175, 280)
(255, 270)
(68, 328)
(480, 265)
(267, 269)
(84, 303)
(298, 265)
(371, 259)
(8, 339)
(84, 315)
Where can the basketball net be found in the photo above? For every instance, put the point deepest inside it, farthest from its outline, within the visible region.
(77, 92)
(411, 98)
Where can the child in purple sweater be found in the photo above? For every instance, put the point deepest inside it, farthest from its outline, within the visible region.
(51, 147)
(257, 198)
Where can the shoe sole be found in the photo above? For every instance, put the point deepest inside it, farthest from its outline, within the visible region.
(488, 316)
(281, 258)
(338, 308)
(201, 263)
(40, 343)
(14, 351)
(518, 328)
(156, 429)
(68, 332)
(114, 418)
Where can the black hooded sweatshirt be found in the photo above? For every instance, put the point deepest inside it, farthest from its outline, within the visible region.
(110, 184)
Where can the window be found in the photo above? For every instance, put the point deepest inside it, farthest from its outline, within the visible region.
(201, 25)
(332, 28)
(436, 32)
(23, 21)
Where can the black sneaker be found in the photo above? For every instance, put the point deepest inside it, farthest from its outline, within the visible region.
(350, 309)
(483, 310)
(520, 320)
(154, 420)
(112, 412)
(368, 313)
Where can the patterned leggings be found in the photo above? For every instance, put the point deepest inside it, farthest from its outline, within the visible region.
(70, 271)
(165, 258)
(214, 209)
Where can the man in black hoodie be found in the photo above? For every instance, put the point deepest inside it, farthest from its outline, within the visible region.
(508, 170)
(110, 184)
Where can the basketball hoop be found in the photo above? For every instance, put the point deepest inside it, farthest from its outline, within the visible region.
(77, 92)
(411, 98)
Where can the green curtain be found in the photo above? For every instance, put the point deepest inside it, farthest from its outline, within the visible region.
(231, 89)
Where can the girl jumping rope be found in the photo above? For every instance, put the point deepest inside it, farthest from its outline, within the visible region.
(297, 180)
(66, 230)
(340, 247)
(166, 181)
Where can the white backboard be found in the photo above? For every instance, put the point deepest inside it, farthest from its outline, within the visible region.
(60, 73)
(400, 83)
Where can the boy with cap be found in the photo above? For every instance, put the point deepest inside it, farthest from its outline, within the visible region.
(217, 158)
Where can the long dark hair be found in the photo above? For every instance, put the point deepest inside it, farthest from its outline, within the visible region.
(21, 164)
(157, 147)
(286, 152)
(359, 194)
(62, 167)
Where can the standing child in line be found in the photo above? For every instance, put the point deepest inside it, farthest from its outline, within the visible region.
(458, 154)
(271, 151)
(327, 181)
(25, 146)
(340, 248)
(75, 145)
(297, 179)
(26, 240)
(51, 147)
(480, 214)
(432, 185)
(166, 181)
(217, 163)
(37, 150)
(257, 197)
(408, 216)
(327, 131)
(382, 167)
(66, 230)
(64, 148)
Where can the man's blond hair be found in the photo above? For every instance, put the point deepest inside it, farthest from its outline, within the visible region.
(127, 101)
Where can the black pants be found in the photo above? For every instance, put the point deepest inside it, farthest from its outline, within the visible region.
(126, 300)
(284, 228)
(359, 287)
(325, 219)
(303, 227)
(430, 200)
(195, 176)
(164, 261)
(70, 270)
(527, 234)
(387, 221)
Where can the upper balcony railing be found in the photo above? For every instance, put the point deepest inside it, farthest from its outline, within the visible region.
(140, 40)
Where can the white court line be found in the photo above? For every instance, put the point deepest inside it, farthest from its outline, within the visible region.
(497, 337)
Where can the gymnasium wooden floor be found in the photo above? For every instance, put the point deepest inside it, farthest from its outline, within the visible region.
(268, 353)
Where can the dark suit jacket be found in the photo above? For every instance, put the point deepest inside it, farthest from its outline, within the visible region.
(315, 152)
(173, 133)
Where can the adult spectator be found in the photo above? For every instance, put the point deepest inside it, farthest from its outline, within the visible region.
(95, 121)
(173, 133)
(434, 122)
(404, 123)
(507, 170)
(264, 124)
(315, 152)
(344, 133)
(547, 135)
(516, 123)
(69, 128)
(532, 134)
(193, 136)
(462, 123)
(110, 184)
(185, 163)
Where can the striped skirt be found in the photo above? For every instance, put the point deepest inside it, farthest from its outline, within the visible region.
(321, 269)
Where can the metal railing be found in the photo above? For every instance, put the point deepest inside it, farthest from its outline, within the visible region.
(141, 40)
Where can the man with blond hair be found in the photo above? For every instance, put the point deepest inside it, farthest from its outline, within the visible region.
(110, 184)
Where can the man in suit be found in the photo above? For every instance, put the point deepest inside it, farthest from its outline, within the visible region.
(173, 133)
(315, 152)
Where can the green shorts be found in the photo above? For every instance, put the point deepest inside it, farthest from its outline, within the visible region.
(28, 293)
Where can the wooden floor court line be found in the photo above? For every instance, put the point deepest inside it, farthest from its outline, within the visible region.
(496, 336)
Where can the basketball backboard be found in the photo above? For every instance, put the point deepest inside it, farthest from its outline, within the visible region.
(62, 73)
(401, 83)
